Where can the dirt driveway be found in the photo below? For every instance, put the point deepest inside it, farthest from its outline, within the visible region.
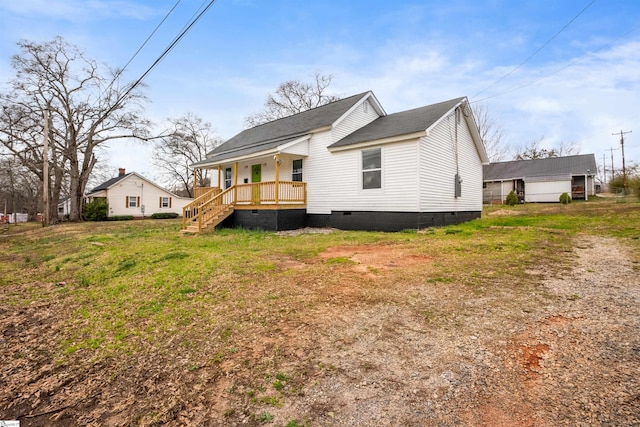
(573, 360)
(564, 353)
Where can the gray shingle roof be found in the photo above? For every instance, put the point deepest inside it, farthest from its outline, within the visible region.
(105, 185)
(274, 133)
(402, 123)
(582, 164)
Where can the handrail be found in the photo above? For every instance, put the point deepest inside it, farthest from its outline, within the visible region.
(211, 204)
(208, 205)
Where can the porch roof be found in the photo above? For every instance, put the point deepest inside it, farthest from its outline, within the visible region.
(262, 148)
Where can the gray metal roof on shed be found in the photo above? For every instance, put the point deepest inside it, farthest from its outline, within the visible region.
(277, 132)
(582, 164)
(402, 123)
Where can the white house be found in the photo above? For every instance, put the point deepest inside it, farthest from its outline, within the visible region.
(131, 194)
(64, 207)
(541, 180)
(349, 165)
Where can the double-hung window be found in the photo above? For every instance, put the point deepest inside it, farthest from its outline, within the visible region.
(165, 202)
(296, 174)
(133, 201)
(372, 169)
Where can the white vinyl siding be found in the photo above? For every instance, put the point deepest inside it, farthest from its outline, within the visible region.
(438, 169)
(134, 189)
(546, 191)
(342, 190)
(357, 119)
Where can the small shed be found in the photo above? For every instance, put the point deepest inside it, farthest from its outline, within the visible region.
(540, 180)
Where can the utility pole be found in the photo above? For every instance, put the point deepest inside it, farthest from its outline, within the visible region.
(612, 168)
(45, 168)
(624, 170)
(604, 170)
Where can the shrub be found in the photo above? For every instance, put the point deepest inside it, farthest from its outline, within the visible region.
(96, 210)
(164, 215)
(565, 198)
(512, 199)
(120, 218)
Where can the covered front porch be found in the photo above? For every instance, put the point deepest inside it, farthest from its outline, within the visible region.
(270, 182)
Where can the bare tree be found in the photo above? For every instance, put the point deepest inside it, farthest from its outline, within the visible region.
(491, 132)
(534, 150)
(19, 188)
(293, 97)
(190, 139)
(86, 110)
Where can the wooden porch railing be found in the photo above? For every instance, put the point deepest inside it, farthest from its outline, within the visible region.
(260, 193)
(206, 208)
(199, 191)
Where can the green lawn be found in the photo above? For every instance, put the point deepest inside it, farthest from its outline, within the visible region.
(140, 290)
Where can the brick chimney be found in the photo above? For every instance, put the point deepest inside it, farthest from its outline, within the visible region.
(121, 172)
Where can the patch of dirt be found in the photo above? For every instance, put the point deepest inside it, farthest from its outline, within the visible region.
(348, 352)
(373, 258)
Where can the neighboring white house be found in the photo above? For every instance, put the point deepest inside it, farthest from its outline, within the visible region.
(130, 194)
(541, 180)
(64, 207)
(350, 165)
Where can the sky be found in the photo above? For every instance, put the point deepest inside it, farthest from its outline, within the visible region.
(558, 71)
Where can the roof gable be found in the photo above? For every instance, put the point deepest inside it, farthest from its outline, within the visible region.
(582, 164)
(275, 133)
(113, 181)
(397, 124)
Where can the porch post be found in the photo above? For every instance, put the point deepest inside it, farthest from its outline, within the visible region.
(194, 182)
(219, 169)
(235, 181)
(586, 187)
(277, 158)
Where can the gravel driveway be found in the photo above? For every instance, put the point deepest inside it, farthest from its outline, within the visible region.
(574, 359)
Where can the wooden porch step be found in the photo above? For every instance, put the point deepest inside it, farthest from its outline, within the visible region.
(215, 220)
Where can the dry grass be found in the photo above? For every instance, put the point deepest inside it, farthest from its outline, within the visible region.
(131, 323)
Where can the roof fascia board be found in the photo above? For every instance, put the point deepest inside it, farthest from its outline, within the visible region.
(471, 124)
(389, 140)
(445, 115)
(240, 158)
(268, 141)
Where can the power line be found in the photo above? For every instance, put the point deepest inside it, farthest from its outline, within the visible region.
(120, 71)
(572, 63)
(537, 50)
(147, 40)
(168, 49)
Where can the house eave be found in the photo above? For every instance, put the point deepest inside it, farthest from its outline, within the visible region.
(382, 141)
(269, 152)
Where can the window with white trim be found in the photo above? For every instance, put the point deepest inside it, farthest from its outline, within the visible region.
(227, 178)
(133, 201)
(165, 202)
(372, 169)
(296, 174)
